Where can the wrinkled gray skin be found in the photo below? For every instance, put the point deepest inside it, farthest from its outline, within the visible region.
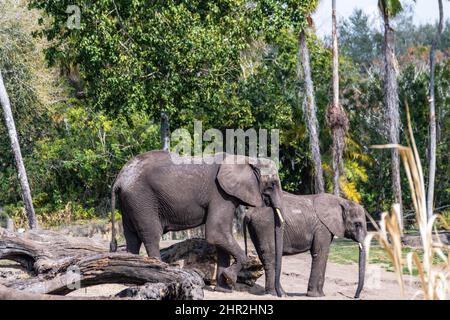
(310, 224)
(157, 194)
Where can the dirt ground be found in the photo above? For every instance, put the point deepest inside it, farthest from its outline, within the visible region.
(340, 283)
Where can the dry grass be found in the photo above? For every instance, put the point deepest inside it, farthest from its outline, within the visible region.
(434, 277)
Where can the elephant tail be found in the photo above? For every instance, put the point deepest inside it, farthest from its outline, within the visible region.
(244, 231)
(113, 244)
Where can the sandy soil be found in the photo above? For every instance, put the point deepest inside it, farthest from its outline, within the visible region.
(340, 283)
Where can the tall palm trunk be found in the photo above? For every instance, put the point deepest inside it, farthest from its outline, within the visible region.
(391, 102)
(432, 148)
(309, 110)
(26, 193)
(336, 116)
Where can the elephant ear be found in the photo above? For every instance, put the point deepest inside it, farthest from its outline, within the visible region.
(238, 179)
(331, 211)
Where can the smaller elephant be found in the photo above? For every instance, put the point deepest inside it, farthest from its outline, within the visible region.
(311, 222)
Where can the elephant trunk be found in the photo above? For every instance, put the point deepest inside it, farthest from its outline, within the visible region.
(362, 269)
(278, 250)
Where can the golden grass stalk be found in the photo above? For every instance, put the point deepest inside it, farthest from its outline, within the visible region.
(434, 277)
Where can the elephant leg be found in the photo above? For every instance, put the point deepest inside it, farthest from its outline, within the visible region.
(133, 241)
(319, 252)
(151, 237)
(260, 229)
(219, 233)
(223, 262)
(143, 217)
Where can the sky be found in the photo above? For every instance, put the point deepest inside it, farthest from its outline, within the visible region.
(424, 11)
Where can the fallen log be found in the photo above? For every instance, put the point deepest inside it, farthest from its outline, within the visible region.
(122, 268)
(57, 260)
(63, 264)
(197, 254)
(44, 251)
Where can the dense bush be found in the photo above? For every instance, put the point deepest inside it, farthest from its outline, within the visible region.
(98, 104)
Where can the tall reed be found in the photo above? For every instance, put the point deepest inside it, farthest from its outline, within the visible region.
(434, 277)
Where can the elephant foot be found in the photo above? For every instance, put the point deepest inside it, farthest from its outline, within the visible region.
(222, 285)
(282, 292)
(222, 288)
(315, 293)
(229, 277)
(273, 292)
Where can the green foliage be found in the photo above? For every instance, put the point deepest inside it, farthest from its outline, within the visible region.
(283, 14)
(181, 57)
(358, 40)
(87, 153)
(19, 62)
(228, 63)
(390, 8)
(51, 217)
(76, 164)
(344, 251)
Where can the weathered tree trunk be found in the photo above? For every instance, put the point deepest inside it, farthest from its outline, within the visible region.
(432, 147)
(63, 264)
(165, 131)
(9, 119)
(310, 111)
(336, 116)
(393, 116)
(104, 268)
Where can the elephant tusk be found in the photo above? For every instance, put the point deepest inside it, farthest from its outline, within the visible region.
(360, 245)
(280, 216)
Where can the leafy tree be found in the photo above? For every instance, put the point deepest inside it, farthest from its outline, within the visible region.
(358, 39)
(295, 15)
(20, 97)
(179, 57)
(231, 64)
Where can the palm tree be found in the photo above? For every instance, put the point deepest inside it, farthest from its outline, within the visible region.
(26, 193)
(389, 9)
(336, 116)
(310, 108)
(432, 148)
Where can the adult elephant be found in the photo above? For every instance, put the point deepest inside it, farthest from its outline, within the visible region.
(311, 222)
(158, 192)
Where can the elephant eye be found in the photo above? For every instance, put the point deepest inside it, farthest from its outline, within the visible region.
(358, 225)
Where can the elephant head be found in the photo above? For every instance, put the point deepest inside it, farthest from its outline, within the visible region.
(255, 182)
(347, 219)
